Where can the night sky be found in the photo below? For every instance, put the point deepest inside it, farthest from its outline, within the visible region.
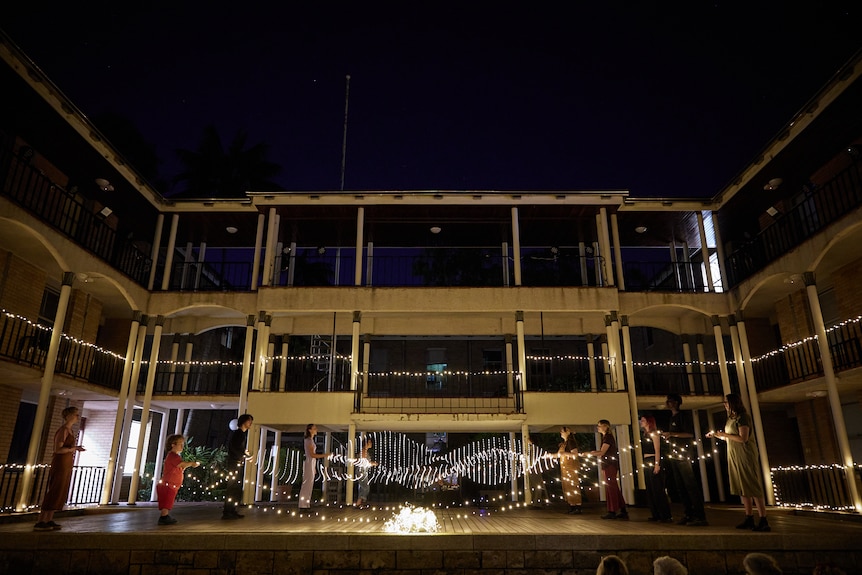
(664, 99)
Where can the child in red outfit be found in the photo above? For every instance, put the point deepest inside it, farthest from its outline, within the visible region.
(172, 478)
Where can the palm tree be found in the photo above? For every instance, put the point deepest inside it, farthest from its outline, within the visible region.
(213, 172)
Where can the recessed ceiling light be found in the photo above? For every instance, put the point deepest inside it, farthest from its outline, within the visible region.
(436, 229)
(231, 229)
(641, 229)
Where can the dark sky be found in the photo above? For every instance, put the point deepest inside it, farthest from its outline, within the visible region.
(660, 98)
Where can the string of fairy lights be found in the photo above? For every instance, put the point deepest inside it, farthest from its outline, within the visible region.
(347, 359)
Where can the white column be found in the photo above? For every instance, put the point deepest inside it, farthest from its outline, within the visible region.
(45, 391)
(366, 364)
(360, 226)
(582, 257)
(355, 362)
(160, 454)
(686, 357)
(602, 491)
(605, 243)
(591, 354)
(633, 402)
(618, 256)
(351, 455)
(145, 410)
(704, 251)
(169, 254)
(832, 390)
(154, 253)
(258, 241)
(276, 458)
(187, 363)
(516, 245)
(263, 323)
(522, 351)
(716, 462)
(111, 466)
(510, 367)
(525, 449)
(202, 256)
(175, 355)
(282, 365)
(269, 255)
(504, 254)
(719, 252)
(327, 448)
(261, 450)
(627, 483)
(251, 465)
(739, 363)
(755, 410)
(701, 360)
(701, 460)
(178, 424)
(722, 357)
(130, 407)
(246, 365)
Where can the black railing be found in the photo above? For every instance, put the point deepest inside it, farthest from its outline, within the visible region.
(557, 374)
(437, 385)
(27, 343)
(845, 345)
(663, 380)
(822, 487)
(32, 190)
(195, 379)
(663, 276)
(815, 211)
(310, 373)
(796, 363)
(85, 487)
(211, 276)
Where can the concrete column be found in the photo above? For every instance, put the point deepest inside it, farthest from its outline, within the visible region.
(755, 410)
(360, 226)
(701, 460)
(130, 407)
(246, 365)
(516, 245)
(591, 354)
(510, 367)
(605, 243)
(178, 424)
(686, 357)
(701, 360)
(258, 241)
(627, 484)
(175, 355)
(154, 253)
(582, 258)
(40, 418)
(353, 452)
(633, 402)
(719, 252)
(169, 254)
(355, 363)
(202, 256)
(282, 365)
(831, 390)
(260, 352)
(327, 447)
(738, 363)
(251, 465)
(369, 264)
(160, 454)
(505, 261)
(618, 256)
(704, 250)
(261, 450)
(187, 363)
(522, 349)
(602, 491)
(366, 364)
(526, 454)
(276, 458)
(111, 466)
(145, 410)
(722, 357)
(719, 472)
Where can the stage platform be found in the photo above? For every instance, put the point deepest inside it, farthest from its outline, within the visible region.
(470, 541)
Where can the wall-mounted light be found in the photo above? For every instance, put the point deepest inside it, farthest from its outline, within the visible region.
(773, 184)
(104, 185)
(321, 250)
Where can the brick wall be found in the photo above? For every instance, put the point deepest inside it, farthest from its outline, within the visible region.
(761, 336)
(83, 316)
(10, 397)
(114, 335)
(22, 286)
(96, 437)
(817, 432)
(847, 293)
(794, 317)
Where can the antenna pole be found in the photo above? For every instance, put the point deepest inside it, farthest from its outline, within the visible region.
(344, 140)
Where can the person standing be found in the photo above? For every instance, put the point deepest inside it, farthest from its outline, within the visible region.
(309, 467)
(654, 470)
(172, 478)
(237, 455)
(567, 453)
(60, 475)
(743, 462)
(610, 468)
(680, 434)
(368, 462)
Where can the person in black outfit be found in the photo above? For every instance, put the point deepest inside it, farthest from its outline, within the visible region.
(237, 455)
(680, 432)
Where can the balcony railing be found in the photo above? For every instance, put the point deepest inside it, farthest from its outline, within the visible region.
(32, 190)
(814, 212)
(85, 487)
(822, 487)
(27, 343)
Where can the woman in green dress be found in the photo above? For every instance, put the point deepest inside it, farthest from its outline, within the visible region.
(743, 462)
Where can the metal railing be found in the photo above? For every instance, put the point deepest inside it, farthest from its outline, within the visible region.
(32, 190)
(821, 487)
(85, 487)
(683, 277)
(815, 210)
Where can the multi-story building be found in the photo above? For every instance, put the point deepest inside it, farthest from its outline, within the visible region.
(435, 312)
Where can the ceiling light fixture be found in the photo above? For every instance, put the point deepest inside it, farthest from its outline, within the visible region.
(641, 229)
(773, 184)
(104, 185)
(106, 211)
(231, 229)
(436, 229)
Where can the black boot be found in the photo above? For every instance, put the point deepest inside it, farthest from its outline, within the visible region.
(748, 523)
(762, 526)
